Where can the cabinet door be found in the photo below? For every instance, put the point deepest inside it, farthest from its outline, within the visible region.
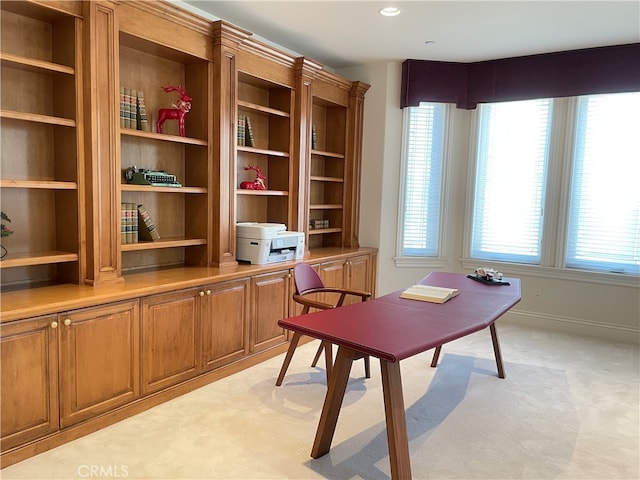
(358, 274)
(169, 347)
(28, 380)
(333, 274)
(352, 273)
(269, 303)
(99, 358)
(225, 329)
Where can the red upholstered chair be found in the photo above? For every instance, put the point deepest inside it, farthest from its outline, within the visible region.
(308, 282)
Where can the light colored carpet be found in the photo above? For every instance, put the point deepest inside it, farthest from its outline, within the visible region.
(568, 409)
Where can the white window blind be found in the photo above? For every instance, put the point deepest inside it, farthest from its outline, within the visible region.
(604, 211)
(424, 151)
(509, 194)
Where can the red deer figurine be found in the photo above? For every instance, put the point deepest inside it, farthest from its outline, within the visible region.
(181, 109)
(258, 183)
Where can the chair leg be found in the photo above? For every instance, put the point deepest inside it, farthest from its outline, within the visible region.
(318, 353)
(367, 366)
(436, 355)
(288, 357)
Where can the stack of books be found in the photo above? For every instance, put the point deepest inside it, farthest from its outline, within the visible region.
(245, 131)
(136, 223)
(133, 111)
(128, 223)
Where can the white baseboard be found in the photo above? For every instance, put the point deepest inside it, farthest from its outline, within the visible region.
(621, 333)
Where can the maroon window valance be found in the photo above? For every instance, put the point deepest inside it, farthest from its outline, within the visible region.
(561, 74)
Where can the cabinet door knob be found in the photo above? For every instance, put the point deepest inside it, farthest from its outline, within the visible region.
(54, 324)
(201, 294)
(67, 321)
(208, 292)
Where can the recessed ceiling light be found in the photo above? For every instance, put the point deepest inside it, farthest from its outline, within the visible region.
(389, 11)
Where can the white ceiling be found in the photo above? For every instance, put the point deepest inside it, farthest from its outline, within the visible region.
(344, 34)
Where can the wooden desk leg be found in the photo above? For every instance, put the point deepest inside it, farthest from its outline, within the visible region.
(328, 359)
(333, 401)
(436, 355)
(496, 350)
(396, 420)
(288, 357)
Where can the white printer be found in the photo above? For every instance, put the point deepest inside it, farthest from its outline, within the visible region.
(261, 243)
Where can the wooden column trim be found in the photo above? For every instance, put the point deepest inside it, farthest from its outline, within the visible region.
(102, 143)
(227, 39)
(355, 124)
(306, 70)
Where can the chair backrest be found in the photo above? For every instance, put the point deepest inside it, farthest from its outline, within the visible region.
(306, 278)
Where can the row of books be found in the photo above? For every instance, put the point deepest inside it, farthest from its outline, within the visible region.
(136, 223)
(245, 132)
(133, 111)
(314, 138)
(318, 224)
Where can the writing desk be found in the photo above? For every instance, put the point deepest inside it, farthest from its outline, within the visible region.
(391, 329)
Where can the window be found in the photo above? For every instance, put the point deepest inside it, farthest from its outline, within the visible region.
(420, 202)
(604, 208)
(511, 170)
(586, 178)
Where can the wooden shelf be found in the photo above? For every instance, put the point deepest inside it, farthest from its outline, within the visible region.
(268, 193)
(327, 154)
(317, 178)
(263, 109)
(132, 187)
(163, 243)
(263, 151)
(322, 231)
(36, 117)
(326, 206)
(43, 184)
(163, 136)
(34, 65)
(37, 258)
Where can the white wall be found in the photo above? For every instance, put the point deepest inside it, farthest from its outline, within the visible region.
(572, 304)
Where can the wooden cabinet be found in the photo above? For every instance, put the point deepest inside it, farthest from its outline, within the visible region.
(334, 163)
(65, 146)
(41, 123)
(68, 373)
(99, 357)
(354, 273)
(192, 331)
(170, 333)
(270, 298)
(28, 380)
(327, 173)
(225, 323)
(59, 370)
(149, 61)
(67, 140)
(264, 138)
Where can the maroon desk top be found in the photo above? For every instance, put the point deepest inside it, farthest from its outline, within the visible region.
(394, 328)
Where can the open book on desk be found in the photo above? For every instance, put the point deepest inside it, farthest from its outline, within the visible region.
(428, 293)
